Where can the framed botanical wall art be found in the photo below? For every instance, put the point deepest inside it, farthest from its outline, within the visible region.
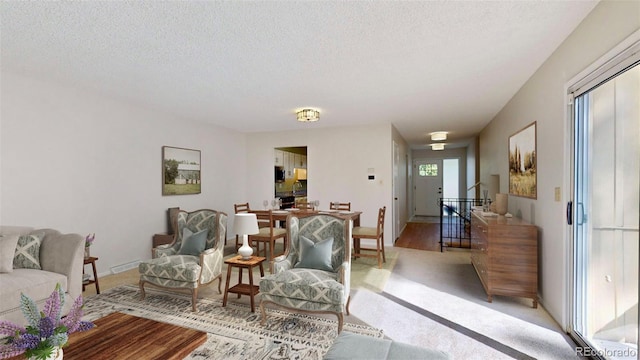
(523, 163)
(180, 171)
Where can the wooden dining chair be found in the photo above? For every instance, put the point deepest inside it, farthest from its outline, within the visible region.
(268, 234)
(340, 206)
(304, 205)
(240, 208)
(375, 233)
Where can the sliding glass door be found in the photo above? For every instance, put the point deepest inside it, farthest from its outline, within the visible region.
(604, 213)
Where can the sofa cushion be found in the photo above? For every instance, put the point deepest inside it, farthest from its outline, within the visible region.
(27, 253)
(38, 284)
(15, 230)
(176, 267)
(7, 251)
(305, 284)
(355, 346)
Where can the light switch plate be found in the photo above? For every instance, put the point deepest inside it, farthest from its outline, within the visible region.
(557, 194)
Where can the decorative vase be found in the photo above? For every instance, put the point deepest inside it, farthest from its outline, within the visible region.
(245, 250)
(87, 253)
(501, 203)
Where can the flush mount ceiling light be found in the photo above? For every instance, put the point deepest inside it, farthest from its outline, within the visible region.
(308, 115)
(439, 136)
(437, 146)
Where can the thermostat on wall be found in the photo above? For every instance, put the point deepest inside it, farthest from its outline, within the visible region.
(372, 177)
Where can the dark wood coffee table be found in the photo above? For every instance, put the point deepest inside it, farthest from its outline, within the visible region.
(122, 336)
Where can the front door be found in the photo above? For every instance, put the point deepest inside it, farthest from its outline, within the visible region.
(427, 187)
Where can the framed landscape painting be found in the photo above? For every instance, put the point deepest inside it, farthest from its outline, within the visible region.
(180, 171)
(523, 163)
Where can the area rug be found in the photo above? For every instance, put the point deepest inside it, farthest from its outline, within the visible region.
(234, 332)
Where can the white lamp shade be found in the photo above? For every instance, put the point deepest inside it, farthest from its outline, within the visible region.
(245, 224)
(437, 146)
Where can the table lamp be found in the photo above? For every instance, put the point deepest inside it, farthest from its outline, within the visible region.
(245, 224)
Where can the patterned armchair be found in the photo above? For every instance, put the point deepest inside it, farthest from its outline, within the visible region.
(189, 264)
(309, 288)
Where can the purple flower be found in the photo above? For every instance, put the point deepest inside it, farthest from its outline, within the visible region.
(46, 327)
(88, 240)
(9, 328)
(27, 341)
(54, 304)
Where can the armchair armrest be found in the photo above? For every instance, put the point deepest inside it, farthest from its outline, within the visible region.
(281, 263)
(163, 250)
(344, 276)
(211, 263)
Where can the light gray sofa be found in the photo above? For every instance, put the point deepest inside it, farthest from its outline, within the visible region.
(61, 260)
(349, 346)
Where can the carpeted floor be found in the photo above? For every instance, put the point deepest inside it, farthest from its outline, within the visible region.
(234, 332)
(433, 299)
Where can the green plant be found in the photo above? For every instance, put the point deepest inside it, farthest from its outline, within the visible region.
(47, 329)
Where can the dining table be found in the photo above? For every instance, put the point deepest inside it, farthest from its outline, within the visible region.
(281, 215)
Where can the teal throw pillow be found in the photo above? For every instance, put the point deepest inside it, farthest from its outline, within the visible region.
(315, 255)
(193, 244)
(27, 254)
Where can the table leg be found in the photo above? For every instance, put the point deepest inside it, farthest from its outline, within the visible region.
(226, 286)
(239, 280)
(95, 276)
(261, 270)
(251, 290)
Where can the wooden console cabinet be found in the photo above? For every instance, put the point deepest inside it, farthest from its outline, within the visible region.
(504, 252)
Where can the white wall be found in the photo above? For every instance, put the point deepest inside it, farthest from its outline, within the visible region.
(338, 160)
(80, 162)
(542, 99)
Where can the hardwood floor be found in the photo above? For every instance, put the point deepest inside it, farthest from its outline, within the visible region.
(420, 236)
(425, 236)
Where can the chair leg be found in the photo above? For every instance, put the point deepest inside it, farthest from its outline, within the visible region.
(142, 293)
(194, 298)
(220, 284)
(340, 322)
(348, 302)
(384, 258)
(379, 252)
(264, 313)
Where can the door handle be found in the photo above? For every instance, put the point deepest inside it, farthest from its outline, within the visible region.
(570, 213)
(580, 217)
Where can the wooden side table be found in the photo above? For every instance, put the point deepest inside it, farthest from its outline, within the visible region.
(243, 288)
(91, 260)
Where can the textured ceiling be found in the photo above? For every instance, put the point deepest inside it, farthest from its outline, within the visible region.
(422, 66)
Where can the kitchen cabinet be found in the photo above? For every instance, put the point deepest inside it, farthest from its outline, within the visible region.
(504, 253)
(289, 163)
(279, 157)
(300, 161)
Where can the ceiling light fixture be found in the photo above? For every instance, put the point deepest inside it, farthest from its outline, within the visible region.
(308, 115)
(439, 136)
(437, 146)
